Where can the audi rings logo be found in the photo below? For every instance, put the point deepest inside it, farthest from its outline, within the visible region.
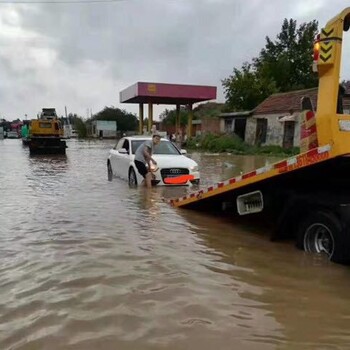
(175, 171)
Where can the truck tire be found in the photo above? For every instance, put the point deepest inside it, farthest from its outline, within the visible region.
(109, 172)
(321, 232)
(132, 178)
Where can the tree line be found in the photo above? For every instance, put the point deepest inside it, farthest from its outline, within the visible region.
(283, 64)
(125, 121)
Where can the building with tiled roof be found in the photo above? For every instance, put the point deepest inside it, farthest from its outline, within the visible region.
(275, 121)
(285, 102)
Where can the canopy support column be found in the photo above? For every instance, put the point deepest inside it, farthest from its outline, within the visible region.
(150, 117)
(190, 117)
(177, 121)
(141, 118)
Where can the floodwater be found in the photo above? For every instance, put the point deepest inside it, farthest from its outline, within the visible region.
(91, 264)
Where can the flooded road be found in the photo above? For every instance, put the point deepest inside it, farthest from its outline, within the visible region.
(91, 264)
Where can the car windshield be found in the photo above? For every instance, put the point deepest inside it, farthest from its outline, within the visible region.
(165, 147)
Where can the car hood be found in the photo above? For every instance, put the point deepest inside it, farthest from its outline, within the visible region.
(173, 161)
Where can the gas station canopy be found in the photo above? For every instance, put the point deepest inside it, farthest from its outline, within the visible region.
(168, 94)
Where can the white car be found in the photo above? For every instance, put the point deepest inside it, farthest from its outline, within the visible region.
(171, 162)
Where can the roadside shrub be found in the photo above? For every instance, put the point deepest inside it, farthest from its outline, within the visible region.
(194, 142)
(208, 141)
(226, 143)
(234, 144)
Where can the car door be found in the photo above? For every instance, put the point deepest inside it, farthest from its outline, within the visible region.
(124, 159)
(116, 157)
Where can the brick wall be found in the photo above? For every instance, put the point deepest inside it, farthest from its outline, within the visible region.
(210, 125)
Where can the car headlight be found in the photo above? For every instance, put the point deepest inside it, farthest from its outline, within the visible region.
(194, 168)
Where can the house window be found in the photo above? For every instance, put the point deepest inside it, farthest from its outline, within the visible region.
(261, 131)
(288, 135)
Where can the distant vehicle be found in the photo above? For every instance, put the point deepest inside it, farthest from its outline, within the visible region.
(171, 162)
(12, 135)
(25, 134)
(74, 134)
(46, 133)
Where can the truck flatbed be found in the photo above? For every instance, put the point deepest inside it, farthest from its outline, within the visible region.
(256, 176)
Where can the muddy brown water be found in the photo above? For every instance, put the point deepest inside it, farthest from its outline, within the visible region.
(92, 264)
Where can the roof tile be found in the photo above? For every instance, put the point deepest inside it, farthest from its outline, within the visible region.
(285, 102)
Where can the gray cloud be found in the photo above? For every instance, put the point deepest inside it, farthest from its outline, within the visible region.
(82, 55)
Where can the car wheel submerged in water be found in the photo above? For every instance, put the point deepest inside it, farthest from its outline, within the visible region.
(322, 233)
(109, 171)
(132, 178)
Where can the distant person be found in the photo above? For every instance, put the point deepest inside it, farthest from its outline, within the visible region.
(154, 129)
(178, 140)
(143, 157)
(185, 138)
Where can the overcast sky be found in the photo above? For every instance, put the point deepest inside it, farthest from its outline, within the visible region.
(82, 55)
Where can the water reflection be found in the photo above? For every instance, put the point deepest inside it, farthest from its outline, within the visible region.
(42, 165)
(218, 167)
(289, 291)
(46, 173)
(92, 264)
(150, 199)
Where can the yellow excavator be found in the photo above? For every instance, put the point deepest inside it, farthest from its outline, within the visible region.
(46, 134)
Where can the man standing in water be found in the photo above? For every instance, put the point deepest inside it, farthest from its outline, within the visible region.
(143, 156)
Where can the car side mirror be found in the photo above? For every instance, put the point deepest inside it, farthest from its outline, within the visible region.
(122, 151)
(183, 151)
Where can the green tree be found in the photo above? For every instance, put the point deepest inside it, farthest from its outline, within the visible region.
(168, 117)
(78, 124)
(209, 109)
(125, 121)
(288, 59)
(246, 88)
(284, 64)
(80, 127)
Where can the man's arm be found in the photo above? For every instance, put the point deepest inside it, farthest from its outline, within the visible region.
(148, 157)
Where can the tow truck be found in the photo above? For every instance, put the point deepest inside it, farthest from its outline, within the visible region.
(306, 197)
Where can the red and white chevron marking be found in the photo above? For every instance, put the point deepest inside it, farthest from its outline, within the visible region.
(282, 165)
